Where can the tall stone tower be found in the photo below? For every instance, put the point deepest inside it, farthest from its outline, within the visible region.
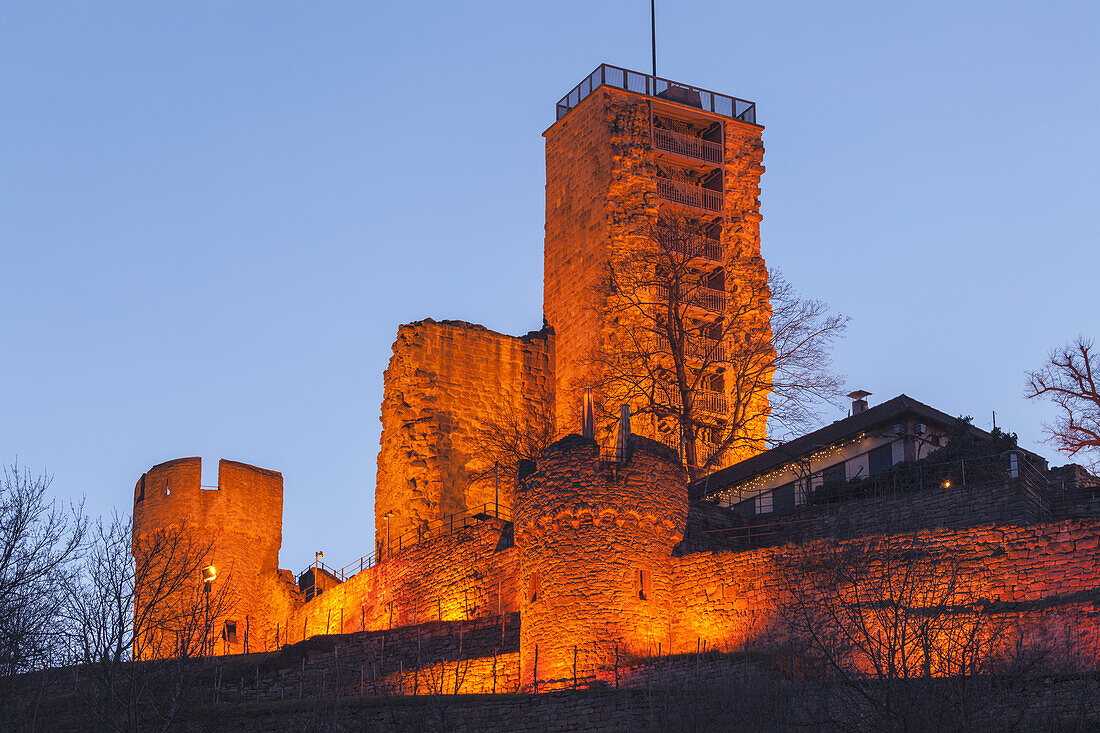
(237, 527)
(627, 153)
(596, 541)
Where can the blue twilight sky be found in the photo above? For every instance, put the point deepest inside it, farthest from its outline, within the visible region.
(214, 215)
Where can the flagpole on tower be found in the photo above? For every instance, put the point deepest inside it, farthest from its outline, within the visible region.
(653, 33)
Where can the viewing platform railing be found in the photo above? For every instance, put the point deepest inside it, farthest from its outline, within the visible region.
(704, 400)
(690, 147)
(704, 298)
(686, 194)
(691, 245)
(655, 86)
(697, 348)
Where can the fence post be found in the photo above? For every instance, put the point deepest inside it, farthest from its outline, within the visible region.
(535, 674)
(574, 667)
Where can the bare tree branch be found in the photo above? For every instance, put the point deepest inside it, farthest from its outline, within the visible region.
(698, 348)
(142, 623)
(1069, 380)
(39, 540)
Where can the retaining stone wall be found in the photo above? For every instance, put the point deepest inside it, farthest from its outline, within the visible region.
(470, 573)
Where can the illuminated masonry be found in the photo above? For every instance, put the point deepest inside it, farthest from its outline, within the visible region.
(601, 558)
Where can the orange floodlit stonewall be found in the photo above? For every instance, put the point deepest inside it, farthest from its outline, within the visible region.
(599, 554)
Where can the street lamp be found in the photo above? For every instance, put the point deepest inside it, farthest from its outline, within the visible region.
(209, 573)
(388, 515)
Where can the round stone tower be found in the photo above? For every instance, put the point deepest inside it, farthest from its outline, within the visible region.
(595, 542)
(240, 522)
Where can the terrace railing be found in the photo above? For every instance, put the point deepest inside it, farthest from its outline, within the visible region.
(686, 194)
(707, 299)
(704, 400)
(691, 245)
(655, 86)
(700, 348)
(687, 146)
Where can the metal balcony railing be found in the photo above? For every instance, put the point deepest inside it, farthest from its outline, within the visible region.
(700, 348)
(692, 245)
(688, 195)
(703, 450)
(703, 400)
(703, 298)
(655, 86)
(689, 147)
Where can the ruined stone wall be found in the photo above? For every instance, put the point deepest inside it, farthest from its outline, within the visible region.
(446, 382)
(470, 573)
(241, 520)
(595, 543)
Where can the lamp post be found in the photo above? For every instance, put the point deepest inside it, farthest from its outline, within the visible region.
(388, 515)
(316, 573)
(209, 573)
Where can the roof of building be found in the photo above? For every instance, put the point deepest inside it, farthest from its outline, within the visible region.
(885, 413)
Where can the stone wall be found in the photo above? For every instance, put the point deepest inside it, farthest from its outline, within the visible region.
(601, 208)
(595, 542)
(579, 170)
(473, 657)
(446, 382)
(747, 274)
(466, 574)
(728, 599)
(241, 520)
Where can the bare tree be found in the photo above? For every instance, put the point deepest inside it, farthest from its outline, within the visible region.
(699, 347)
(897, 629)
(1070, 381)
(505, 437)
(142, 622)
(39, 541)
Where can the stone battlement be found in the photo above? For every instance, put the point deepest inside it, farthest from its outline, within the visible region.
(573, 485)
(248, 499)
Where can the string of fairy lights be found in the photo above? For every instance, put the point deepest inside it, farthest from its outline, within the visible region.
(759, 483)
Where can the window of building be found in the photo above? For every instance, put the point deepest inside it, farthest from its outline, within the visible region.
(534, 586)
(643, 584)
(783, 498)
(833, 476)
(880, 459)
(746, 506)
(229, 633)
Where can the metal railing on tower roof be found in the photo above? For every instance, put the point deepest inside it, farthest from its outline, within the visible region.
(655, 86)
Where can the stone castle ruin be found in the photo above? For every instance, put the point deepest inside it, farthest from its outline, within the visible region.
(597, 557)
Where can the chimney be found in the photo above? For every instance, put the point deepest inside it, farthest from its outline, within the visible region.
(859, 404)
